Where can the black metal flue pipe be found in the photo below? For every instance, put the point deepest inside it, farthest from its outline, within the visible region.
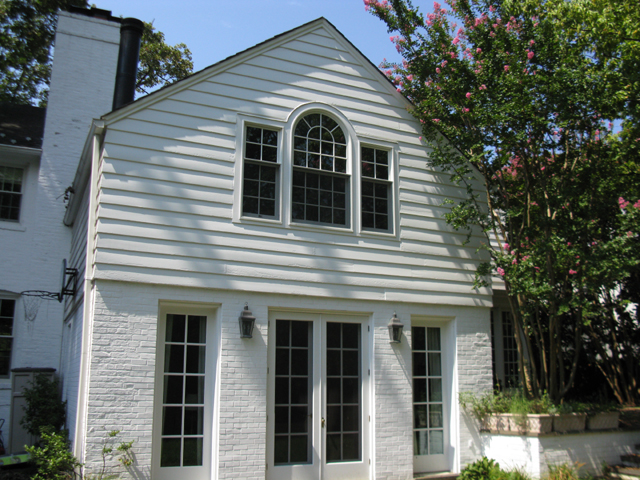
(128, 55)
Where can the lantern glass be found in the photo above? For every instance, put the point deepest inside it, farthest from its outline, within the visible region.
(395, 329)
(247, 321)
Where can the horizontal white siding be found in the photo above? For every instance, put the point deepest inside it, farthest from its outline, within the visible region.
(167, 186)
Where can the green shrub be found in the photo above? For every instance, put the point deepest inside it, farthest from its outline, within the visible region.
(43, 405)
(483, 469)
(564, 471)
(486, 469)
(52, 458)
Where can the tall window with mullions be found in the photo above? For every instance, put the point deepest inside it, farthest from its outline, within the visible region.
(320, 175)
(428, 411)
(183, 394)
(376, 189)
(260, 182)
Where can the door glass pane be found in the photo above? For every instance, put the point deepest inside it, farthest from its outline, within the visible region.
(428, 405)
(293, 382)
(183, 395)
(343, 405)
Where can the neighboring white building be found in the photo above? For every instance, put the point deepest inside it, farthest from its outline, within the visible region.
(35, 171)
(289, 179)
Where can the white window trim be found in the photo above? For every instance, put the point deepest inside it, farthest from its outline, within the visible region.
(212, 403)
(27, 159)
(285, 174)
(392, 148)
(16, 307)
(241, 125)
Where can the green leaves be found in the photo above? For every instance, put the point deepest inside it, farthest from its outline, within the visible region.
(27, 29)
(543, 99)
(161, 64)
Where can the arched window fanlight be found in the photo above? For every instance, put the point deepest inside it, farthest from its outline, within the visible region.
(320, 180)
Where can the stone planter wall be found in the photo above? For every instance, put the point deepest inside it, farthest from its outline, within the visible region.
(569, 422)
(534, 454)
(603, 421)
(540, 424)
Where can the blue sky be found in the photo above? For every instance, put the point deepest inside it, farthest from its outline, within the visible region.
(215, 29)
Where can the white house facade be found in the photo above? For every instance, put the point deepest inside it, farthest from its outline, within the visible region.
(287, 183)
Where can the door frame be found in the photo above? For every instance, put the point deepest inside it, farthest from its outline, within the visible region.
(212, 392)
(449, 357)
(318, 468)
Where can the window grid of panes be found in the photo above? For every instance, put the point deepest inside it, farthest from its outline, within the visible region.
(510, 349)
(428, 420)
(343, 422)
(376, 188)
(7, 310)
(320, 179)
(259, 194)
(292, 431)
(10, 193)
(183, 391)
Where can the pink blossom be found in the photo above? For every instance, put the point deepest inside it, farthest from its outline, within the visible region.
(531, 42)
(514, 261)
(436, 6)
(483, 87)
(478, 50)
(456, 41)
(420, 138)
(410, 78)
(436, 120)
(492, 8)
(568, 244)
(468, 95)
(506, 68)
(437, 70)
(537, 268)
(572, 272)
(506, 246)
(500, 271)
(637, 204)
(466, 110)
(622, 203)
(530, 55)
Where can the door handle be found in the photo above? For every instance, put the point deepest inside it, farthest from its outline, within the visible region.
(322, 422)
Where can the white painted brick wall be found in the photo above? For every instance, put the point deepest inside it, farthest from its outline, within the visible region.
(474, 374)
(81, 89)
(534, 454)
(123, 359)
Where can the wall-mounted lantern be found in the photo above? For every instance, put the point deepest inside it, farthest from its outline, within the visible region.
(247, 321)
(395, 329)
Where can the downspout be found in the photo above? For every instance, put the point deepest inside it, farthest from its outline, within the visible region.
(89, 300)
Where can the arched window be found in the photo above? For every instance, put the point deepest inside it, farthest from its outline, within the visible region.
(320, 187)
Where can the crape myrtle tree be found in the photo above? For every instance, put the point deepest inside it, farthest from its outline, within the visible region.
(539, 99)
(27, 30)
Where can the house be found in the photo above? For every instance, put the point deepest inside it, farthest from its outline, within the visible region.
(286, 185)
(39, 152)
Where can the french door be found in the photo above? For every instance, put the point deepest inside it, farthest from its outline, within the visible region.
(430, 400)
(318, 418)
(183, 394)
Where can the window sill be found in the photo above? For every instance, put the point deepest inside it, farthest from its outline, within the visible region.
(15, 226)
(321, 228)
(379, 234)
(258, 221)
